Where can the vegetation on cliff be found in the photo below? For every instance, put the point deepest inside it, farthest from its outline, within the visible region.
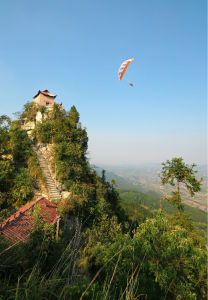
(19, 168)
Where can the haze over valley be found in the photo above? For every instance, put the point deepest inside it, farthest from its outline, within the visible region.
(145, 177)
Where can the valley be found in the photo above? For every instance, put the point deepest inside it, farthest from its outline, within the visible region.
(146, 178)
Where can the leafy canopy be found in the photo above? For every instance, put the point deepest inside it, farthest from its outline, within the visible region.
(176, 172)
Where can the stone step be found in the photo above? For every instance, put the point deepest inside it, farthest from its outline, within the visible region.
(47, 175)
(54, 192)
(55, 196)
(44, 166)
(46, 170)
(49, 179)
(52, 189)
(52, 185)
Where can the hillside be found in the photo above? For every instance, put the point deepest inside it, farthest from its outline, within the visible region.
(137, 194)
(120, 182)
(139, 205)
(146, 178)
(107, 243)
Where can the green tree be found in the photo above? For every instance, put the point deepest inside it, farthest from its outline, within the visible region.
(22, 190)
(5, 122)
(161, 260)
(6, 181)
(20, 145)
(176, 172)
(57, 113)
(4, 134)
(30, 111)
(44, 132)
(175, 260)
(6, 170)
(73, 116)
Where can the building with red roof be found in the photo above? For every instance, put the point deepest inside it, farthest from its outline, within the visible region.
(44, 98)
(17, 227)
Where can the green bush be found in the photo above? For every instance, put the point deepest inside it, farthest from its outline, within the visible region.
(22, 189)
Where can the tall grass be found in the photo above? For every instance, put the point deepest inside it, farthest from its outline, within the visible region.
(64, 281)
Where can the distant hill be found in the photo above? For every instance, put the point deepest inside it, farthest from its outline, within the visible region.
(146, 178)
(151, 200)
(139, 205)
(121, 183)
(139, 202)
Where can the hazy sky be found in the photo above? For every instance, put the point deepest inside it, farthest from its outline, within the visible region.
(74, 49)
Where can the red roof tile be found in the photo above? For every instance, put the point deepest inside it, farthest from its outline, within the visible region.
(16, 227)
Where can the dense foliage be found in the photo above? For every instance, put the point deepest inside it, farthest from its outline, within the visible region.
(17, 160)
(106, 247)
(176, 172)
(64, 131)
(138, 206)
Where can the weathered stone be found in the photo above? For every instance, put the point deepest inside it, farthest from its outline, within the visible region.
(66, 194)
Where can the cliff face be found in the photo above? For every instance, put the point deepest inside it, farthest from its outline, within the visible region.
(38, 121)
(35, 113)
(44, 155)
(54, 192)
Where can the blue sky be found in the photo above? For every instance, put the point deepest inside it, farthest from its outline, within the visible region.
(74, 49)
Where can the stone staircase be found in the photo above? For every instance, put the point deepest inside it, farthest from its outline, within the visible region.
(53, 191)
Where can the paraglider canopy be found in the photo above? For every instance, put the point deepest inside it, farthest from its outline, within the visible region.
(124, 67)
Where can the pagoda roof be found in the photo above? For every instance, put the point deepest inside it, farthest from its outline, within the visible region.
(16, 228)
(46, 93)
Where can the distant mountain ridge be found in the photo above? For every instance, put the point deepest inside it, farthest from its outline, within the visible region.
(139, 203)
(121, 183)
(146, 178)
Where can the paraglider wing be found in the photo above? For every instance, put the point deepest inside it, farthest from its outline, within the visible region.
(123, 67)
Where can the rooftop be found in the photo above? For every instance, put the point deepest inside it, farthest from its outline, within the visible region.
(46, 93)
(16, 227)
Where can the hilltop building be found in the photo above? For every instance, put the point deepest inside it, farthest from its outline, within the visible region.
(44, 98)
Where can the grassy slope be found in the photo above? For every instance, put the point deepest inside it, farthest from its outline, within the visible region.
(151, 200)
(139, 205)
